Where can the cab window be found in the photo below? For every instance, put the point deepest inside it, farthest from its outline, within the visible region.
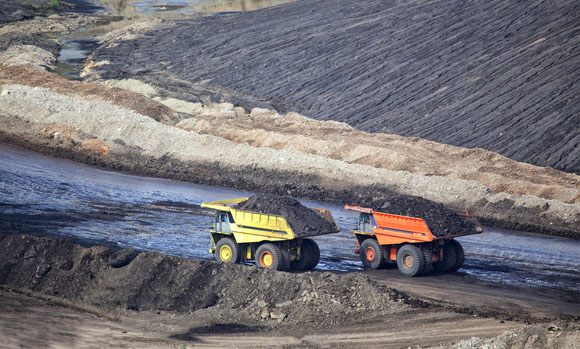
(364, 218)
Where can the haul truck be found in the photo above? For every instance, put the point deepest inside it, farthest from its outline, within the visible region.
(243, 236)
(386, 238)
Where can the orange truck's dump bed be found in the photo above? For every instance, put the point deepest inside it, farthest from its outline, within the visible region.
(391, 229)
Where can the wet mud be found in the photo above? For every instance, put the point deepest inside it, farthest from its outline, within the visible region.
(495, 75)
(303, 220)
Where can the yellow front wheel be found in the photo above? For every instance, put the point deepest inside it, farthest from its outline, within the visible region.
(227, 251)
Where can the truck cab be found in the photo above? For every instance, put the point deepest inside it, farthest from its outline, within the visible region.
(222, 221)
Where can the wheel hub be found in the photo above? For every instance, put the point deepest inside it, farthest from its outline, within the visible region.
(266, 259)
(225, 253)
(370, 254)
(408, 261)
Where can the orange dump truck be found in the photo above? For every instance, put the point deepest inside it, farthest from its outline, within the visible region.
(407, 241)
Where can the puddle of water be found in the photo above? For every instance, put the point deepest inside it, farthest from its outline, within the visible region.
(521, 259)
(136, 8)
(72, 57)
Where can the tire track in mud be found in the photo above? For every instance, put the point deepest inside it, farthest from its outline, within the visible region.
(497, 75)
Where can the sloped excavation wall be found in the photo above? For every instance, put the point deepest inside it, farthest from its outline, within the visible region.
(499, 75)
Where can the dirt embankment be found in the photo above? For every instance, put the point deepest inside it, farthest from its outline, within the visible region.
(33, 42)
(107, 135)
(175, 300)
(496, 75)
(17, 10)
(127, 279)
(267, 128)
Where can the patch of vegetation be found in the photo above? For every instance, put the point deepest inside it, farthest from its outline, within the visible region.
(51, 5)
(27, 4)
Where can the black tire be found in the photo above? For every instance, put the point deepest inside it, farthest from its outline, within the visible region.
(314, 253)
(285, 258)
(410, 260)
(227, 251)
(449, 258)
(459, 255)
(309, 256)
(269, 256)
(372, 254)
(427, 250)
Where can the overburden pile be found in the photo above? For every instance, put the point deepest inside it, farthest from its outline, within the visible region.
(303, 220)
(441, 220)
(129, 279)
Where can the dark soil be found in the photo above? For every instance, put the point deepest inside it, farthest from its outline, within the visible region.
(441, 220)
(20, 38)
(127, 279)
(15, 10)
(499, 75)
(303, 220)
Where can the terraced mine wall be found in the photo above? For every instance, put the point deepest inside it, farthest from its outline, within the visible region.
(498, 75)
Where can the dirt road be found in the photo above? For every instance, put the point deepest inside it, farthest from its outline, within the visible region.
(31, 321)
(84, 298)
(456, 292)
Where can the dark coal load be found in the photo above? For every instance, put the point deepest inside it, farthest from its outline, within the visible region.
(302, 220)
(441, 220)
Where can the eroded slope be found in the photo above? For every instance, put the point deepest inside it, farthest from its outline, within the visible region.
(497, 75)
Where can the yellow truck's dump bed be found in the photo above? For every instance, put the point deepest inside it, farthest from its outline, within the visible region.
(258, 225)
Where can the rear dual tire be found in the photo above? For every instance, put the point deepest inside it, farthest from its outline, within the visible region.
(309, 256)
(410, 260)
(269, 256)
(460, 254)
(453, 257)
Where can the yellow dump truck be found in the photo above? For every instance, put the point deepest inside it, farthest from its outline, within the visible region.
(243, 236)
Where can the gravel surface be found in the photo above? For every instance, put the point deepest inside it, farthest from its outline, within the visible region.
(496, 75)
